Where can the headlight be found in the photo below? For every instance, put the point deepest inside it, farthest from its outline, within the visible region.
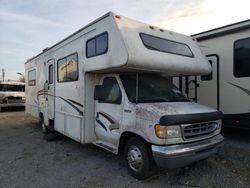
(167, 131)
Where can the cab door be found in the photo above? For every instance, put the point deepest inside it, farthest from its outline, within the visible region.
(51, 89)
(108, 113)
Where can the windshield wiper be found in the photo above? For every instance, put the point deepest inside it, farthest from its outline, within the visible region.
(151, 99)
(176, 99)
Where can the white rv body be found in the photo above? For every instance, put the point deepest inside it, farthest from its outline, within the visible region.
(62, 80)
(228, 87)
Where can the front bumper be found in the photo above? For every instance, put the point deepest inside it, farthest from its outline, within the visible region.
(175, 156)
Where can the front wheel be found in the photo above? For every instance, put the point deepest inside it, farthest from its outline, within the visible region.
(138, 158)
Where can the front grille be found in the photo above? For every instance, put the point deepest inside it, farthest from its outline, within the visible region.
(194, 131)
(14, 100)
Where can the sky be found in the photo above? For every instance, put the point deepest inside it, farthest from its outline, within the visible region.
(29, 26)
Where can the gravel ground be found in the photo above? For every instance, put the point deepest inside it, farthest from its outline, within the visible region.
(27, 160)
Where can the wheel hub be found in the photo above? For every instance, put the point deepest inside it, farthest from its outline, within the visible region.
(134, 157)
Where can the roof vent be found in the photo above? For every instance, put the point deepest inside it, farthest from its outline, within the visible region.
(117, 16)
(45, 49)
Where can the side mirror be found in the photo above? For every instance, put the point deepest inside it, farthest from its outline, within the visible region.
(99, 92)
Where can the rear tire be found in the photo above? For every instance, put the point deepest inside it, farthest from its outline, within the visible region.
(45, 129)
(51, 136)
(138, 158)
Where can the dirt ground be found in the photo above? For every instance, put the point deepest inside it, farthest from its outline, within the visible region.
(27, 160)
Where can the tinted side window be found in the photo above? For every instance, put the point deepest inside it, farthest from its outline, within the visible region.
(210, 75)
(242, 58)
(97, 45)
(67, 68)
(32, 78)
(112, 92)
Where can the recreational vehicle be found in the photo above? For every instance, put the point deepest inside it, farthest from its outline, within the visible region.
(110, 84)
(227, 87)
(12, 94)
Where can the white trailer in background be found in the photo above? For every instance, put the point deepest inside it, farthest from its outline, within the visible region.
(12, 94)
(227, 87)
(110, 84)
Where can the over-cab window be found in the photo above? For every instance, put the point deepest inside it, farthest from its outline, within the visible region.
(112, 92)
(67, 68)
(97, 45)
(242, 58)
(164, 45)
(32, 77)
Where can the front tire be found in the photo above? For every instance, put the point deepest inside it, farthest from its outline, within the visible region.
(138, 158)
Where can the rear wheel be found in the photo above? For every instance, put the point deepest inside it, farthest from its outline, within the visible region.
(138, 158)
(45, 129)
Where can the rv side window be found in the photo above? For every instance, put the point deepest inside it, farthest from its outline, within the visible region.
(97, 45)
(32, 77)
(112, 92)
(210, 75)
(164, 45)
(242, 58)
(67, 69)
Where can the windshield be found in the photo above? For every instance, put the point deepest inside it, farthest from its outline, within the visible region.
(8, 87)
(151, 88)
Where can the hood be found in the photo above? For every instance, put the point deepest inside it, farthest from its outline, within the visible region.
(154, 111)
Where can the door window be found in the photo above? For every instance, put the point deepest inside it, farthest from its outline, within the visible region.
(51, 74)
(112, 92)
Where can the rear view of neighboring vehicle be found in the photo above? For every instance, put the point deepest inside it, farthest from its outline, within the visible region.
(12, 94)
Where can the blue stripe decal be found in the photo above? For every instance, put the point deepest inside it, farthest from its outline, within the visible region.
(77, 109)
(99, 122)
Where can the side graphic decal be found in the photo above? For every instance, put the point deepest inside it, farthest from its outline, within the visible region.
(99, 122)
(241, 88)
(68, 101)
(75, 103)
(112, 123)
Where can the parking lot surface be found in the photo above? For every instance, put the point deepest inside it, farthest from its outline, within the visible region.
(27, 160)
